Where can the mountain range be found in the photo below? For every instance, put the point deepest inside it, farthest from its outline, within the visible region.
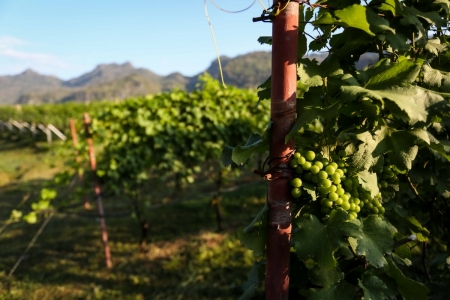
(119, 81)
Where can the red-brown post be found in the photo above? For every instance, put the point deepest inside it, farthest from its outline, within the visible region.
(97, 189)
(283, 113)
(73, 133)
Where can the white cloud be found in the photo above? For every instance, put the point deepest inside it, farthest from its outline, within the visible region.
(36, 58)
(8, 48)
(7, 42)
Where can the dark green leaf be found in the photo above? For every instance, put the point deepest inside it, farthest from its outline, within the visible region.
(374, 288)
(408, 288)
(320, 241)
(375, 239)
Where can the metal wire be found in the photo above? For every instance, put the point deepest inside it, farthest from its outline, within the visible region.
(232, 11)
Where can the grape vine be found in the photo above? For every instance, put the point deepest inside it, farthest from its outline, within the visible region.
(370, 174)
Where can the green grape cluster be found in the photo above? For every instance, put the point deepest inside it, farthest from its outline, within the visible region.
(388, 176)
(334, 181)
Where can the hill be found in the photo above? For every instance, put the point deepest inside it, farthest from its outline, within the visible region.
(119, 81)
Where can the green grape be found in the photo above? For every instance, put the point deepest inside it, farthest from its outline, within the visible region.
(310, 155)
(315, 178)
(307, 176)
(307, 165)
(361, 204)
(335, 176)
(330, 169)
(296, 192)
(297, 155)
(357, 201)
(334, 165)
(339, 201)
(345, 205)
(381, 210)
(340, 171)
(352, 215)
(296, 182)
(325, 161)
(337, 181)
(301, 160)
(323, 191)
(322, 174)
(293, 163)
(319, 164)
(333, 189)
(355, 181)
(357, 208)
(365, 195)
(299, 170)
(333, 196)
(342, 153)
(340, 191)
(369, 205)
(383, 184)
(325, 183)
(340, 164)
(374, 210)
(352, 206)
(325, 202)
(348, 183)
(345, 197)
(355, 194)
(325, 210)
(314, 169)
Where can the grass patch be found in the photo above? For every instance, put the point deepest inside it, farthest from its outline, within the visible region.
(186, 258)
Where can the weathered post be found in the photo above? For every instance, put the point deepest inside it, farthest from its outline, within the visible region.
(97, 189)
(283, 113)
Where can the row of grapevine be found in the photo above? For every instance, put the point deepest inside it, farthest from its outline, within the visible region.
(55, 114)
(141, 142)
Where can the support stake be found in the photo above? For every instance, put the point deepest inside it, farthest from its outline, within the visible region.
(283, 113)
(97, 189)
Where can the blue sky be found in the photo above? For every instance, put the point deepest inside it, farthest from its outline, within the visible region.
(67, 38)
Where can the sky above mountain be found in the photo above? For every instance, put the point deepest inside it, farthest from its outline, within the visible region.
(67, 38)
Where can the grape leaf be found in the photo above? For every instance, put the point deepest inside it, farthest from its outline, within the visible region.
(254, 235)
(253, 281)
(399, 101)
(338, 291)
(314, 239)
(394, 6)
(255, 143)
(400, 144)
(354, 16)
(325, 277)
(369, 182)
(374, 288)
(408, 288)
(402, 73)
(376, 238)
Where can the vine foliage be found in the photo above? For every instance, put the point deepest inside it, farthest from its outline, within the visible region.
(388, 120)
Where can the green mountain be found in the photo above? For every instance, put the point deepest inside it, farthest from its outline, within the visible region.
(119, 81)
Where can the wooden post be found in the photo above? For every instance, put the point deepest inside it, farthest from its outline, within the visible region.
(97, 189)
(73, 133)
(283, 113)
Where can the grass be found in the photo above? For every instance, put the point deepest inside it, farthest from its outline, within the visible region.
(186, 258)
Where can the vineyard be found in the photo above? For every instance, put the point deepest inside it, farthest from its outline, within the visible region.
(356, 164)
